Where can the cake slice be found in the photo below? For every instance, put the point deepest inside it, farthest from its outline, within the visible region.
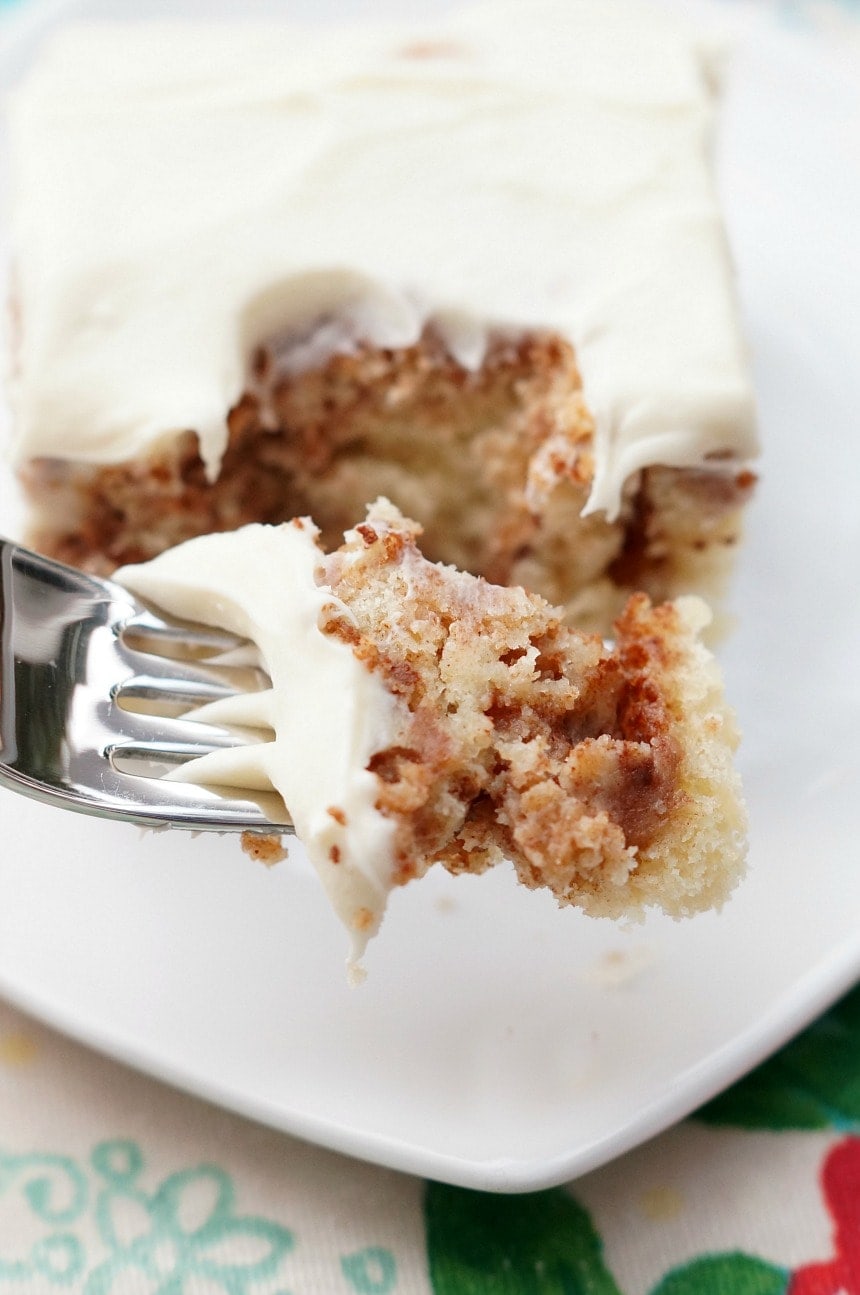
(422, 715)
(474, 262)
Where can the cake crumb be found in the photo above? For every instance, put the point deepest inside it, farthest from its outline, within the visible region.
(367, 533)
(618, 968)
(266, 849)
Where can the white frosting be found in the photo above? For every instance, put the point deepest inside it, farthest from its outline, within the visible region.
(328, 712)
(182, 192)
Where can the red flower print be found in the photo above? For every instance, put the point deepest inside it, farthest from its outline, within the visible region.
(840, 1182)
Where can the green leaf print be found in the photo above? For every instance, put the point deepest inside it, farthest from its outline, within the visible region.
(813, 1083)
(732, 1274)
(540, 1244)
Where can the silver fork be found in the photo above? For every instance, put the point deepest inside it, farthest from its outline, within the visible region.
(93, 685)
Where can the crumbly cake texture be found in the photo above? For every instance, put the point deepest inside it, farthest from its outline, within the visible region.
(495, 464)
(458, 722)
(604, 773)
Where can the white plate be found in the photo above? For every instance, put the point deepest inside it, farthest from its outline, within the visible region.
(499, 1043)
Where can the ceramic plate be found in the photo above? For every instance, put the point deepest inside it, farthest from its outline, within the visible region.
(500, 1043)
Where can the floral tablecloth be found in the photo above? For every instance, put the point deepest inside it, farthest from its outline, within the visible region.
(112, 1183)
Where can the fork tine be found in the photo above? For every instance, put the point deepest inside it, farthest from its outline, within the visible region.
(179, 694)
(122, 728)
(64, 734)
(148, 667)
(147, 625)
(168, 751)
(169, 686)
(196, 808)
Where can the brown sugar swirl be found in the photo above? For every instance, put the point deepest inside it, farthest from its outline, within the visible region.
(603, 772)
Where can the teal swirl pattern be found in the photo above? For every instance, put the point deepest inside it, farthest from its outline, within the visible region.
(56, 1193)
(95, 1229)
(165, 1238)
(168, 1249)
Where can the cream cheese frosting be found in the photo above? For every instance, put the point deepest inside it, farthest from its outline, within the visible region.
(328, 713)
(183, 192)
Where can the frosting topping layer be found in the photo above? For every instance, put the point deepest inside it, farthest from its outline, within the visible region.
(185, 192)
(266, 583)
